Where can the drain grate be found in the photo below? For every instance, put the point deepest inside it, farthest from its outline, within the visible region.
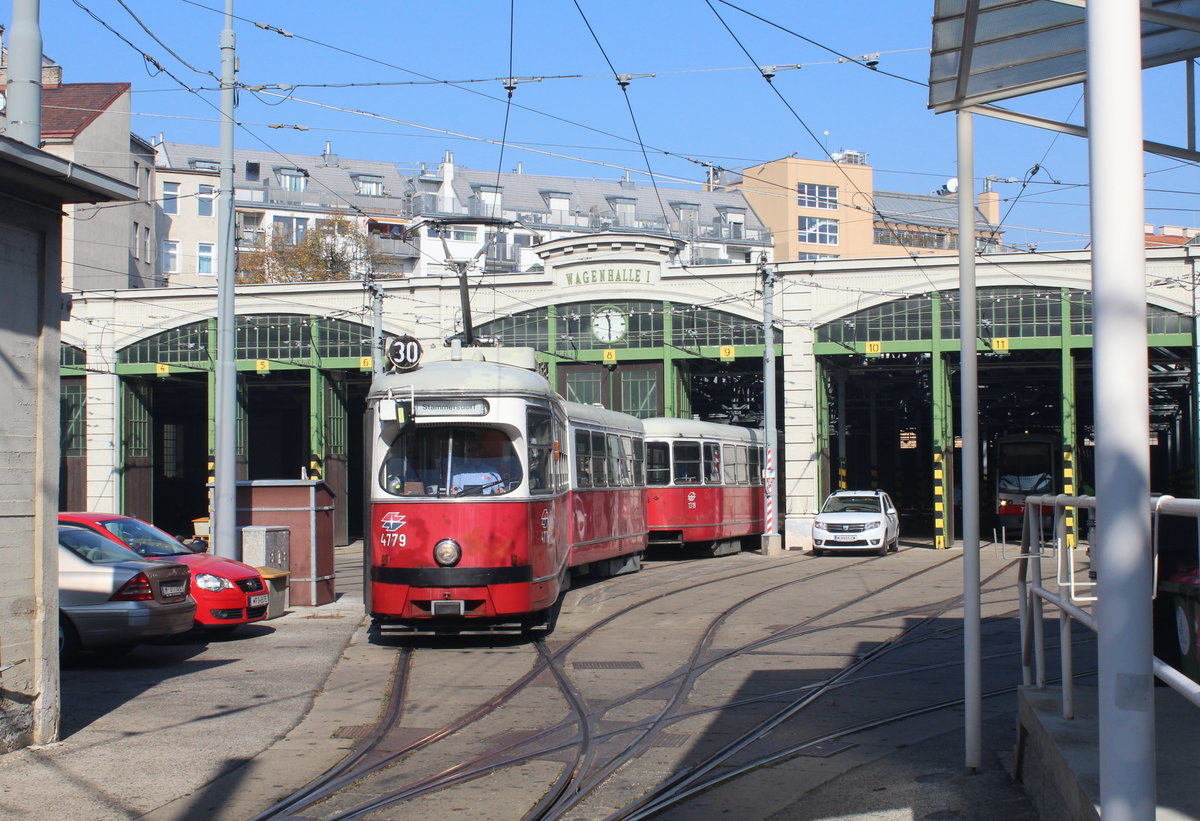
(354, 731)
(607, 665)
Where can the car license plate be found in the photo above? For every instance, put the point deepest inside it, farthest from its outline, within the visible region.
(259, 600)
(845, 537)
(172, 590)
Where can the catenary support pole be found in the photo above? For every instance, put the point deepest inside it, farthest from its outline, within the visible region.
(1124, 637)
(771, 541)
(224, 502)
(25, 74)
(969, 414)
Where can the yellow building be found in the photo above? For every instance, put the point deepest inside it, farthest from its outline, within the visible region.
(822, 209)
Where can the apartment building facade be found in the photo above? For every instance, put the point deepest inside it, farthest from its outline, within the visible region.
(829, 209)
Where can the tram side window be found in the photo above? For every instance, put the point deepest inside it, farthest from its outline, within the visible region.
(686, 465)
(540, 434)
(629, 470)
(618, 465)
(583, 458)
(561, 465)
(639, 477)
(600, 477)
(658, 463)
(756, 466)
(741, 465)
(712, 463)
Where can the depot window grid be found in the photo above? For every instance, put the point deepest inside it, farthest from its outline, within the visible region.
(273, 336)
(73, 411)
(71, 356)
(185, 344)
(906, 319)
(339, 338)
(1010, 312)
(703, 326)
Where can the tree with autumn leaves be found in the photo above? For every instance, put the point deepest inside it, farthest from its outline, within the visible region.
(335, 249)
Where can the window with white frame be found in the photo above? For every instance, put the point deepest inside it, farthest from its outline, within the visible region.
(204, 258)
(811, 195)
(803, 257)
(204, 201)
(144, 244)
(291, 179)
(170, 257)
(818, 231)
(170, 197)
(133, 240)
(625, 210)
(369, 185)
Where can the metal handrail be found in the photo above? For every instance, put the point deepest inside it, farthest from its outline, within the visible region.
(1031, 594)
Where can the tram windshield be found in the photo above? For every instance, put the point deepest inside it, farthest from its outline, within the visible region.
(450, 460)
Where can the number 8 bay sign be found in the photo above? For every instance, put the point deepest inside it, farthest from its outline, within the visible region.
(404, 353)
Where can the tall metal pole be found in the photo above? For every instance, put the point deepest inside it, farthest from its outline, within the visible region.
(224, 503)
(25, 73)
(377, 351)
(969, 404)
(771, 541)
(1122, 554)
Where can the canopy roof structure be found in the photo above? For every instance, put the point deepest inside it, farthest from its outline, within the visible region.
(985, 51)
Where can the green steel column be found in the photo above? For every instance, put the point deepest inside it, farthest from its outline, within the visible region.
(552, 346)
(819, 373)
(942, 444)
(1069, 416)
(670, 385)
(317, 388)
(316, 423)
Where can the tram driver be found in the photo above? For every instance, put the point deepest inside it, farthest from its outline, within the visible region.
(486, 466)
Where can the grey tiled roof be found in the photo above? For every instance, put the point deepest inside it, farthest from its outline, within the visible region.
(332, 183)
(524, 192)
(922, 209)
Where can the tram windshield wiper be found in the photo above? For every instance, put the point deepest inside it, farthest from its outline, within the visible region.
(476, 490)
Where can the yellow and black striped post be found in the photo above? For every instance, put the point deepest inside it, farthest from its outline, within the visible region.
(939, 499)
(1068, 485)
(842, 473)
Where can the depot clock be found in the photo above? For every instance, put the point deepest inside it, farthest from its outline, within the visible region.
(609, 324)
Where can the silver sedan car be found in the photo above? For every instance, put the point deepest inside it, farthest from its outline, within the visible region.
(112, 599)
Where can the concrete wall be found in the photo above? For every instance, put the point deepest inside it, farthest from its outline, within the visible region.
(29, 258)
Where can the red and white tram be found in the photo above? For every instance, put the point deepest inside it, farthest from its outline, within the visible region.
(703, 484)
(478, 512)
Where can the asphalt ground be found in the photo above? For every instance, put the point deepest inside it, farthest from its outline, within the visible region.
(220, 728)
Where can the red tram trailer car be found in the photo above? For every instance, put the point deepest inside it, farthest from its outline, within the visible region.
(478, 513)
(704, 484)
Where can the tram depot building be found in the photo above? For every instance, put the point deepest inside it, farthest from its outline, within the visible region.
(866, 369)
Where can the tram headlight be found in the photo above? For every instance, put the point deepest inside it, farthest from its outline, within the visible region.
(447, 553)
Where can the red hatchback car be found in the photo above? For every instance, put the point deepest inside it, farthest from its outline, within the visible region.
(227, 592)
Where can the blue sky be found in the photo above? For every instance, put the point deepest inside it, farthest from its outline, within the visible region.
(705, 103)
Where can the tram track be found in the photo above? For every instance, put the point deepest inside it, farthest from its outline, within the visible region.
(588, 768)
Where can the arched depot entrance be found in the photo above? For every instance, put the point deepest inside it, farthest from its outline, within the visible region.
(646, 358)
(888, 382)
(302, 384)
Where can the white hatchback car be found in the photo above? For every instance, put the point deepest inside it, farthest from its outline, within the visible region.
(857, 520)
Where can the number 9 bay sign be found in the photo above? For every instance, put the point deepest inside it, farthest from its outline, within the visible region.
(404, 353)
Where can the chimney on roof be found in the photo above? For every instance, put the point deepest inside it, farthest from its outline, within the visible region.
(329, 157)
